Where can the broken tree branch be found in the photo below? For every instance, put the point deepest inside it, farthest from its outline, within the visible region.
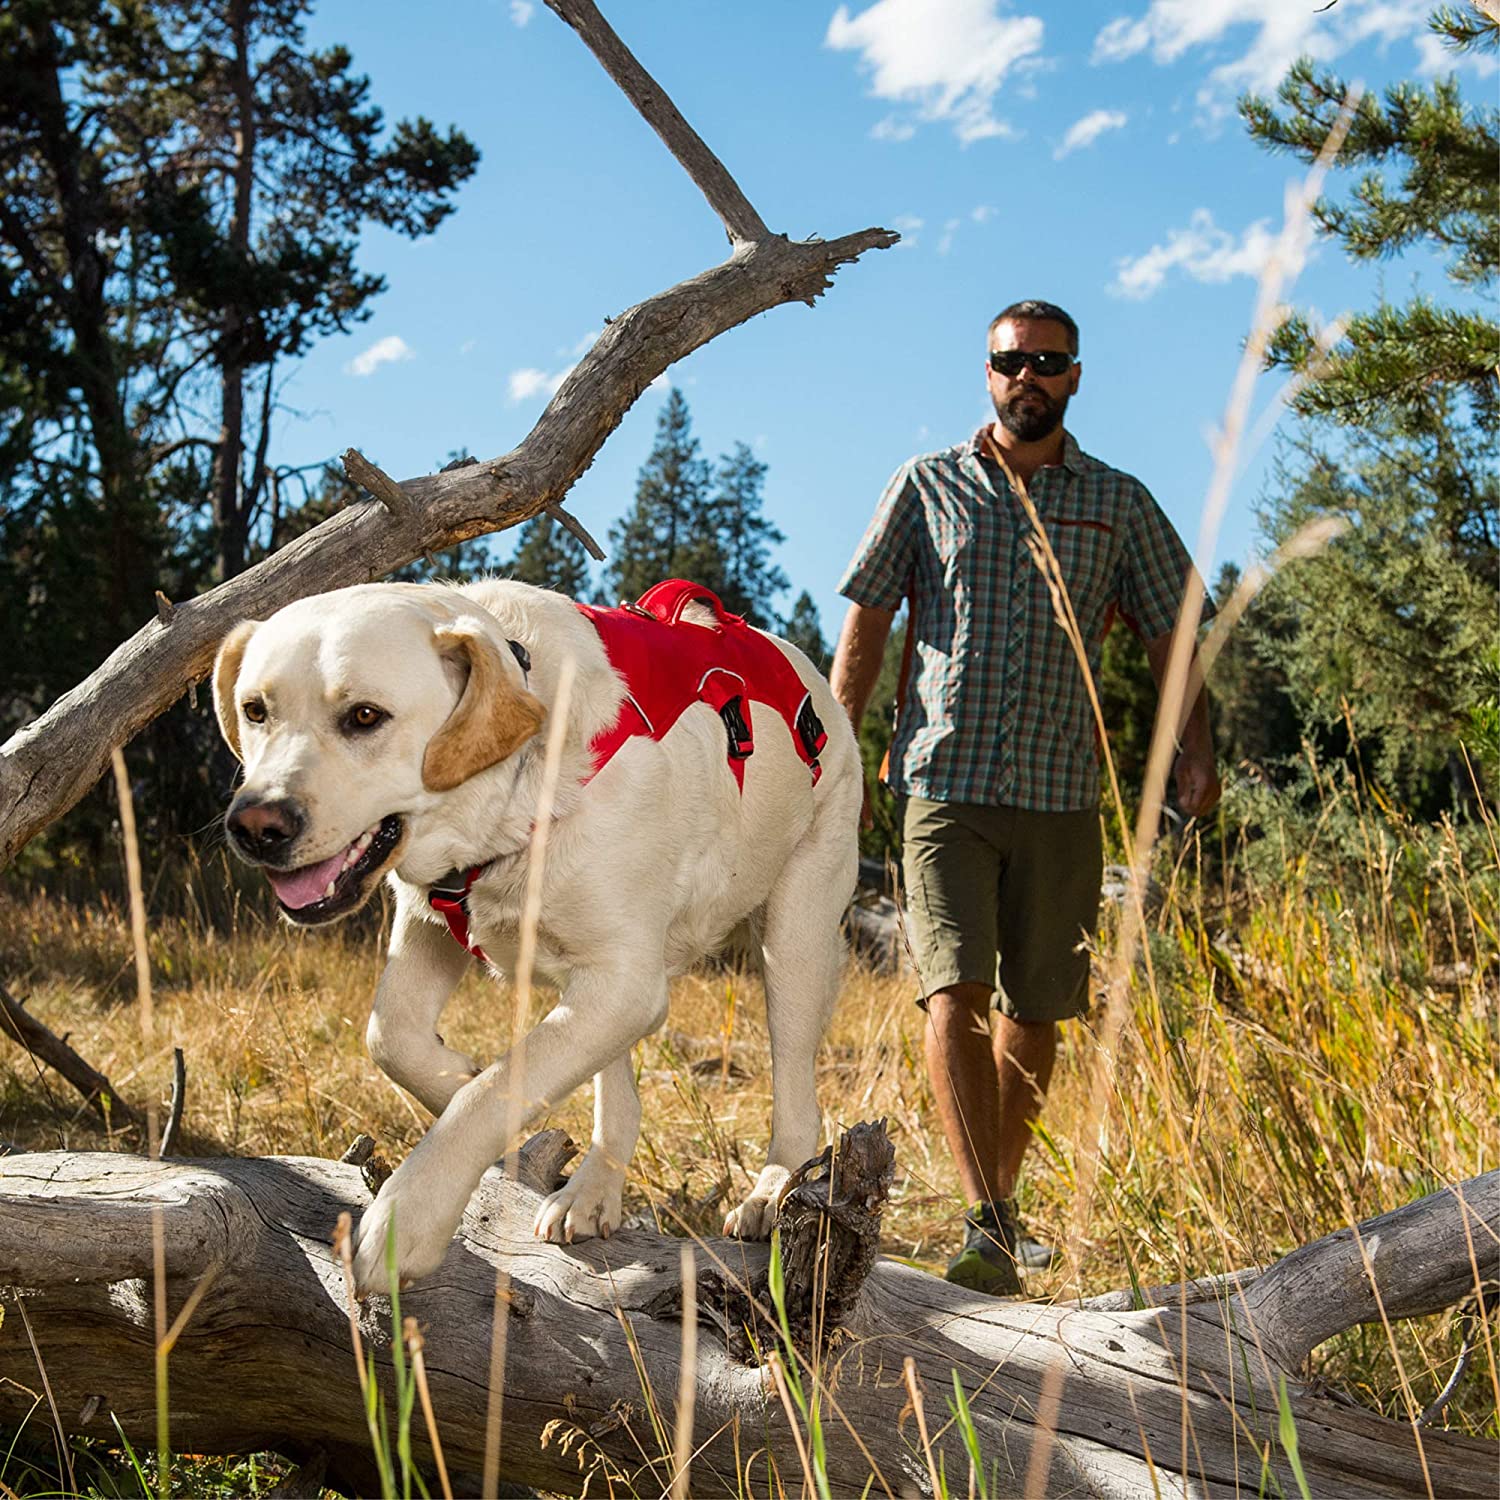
(21, 1026)
(50, 764)
(576, 527)
(380, 484)
(741, 222)
(179, 1099)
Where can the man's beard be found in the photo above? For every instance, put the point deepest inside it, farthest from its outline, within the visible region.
(1030, 413)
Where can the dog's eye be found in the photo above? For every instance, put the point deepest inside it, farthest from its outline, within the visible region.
(364, 716)
(254, 711)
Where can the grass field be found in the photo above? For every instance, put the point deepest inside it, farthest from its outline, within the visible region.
(1312, 1039)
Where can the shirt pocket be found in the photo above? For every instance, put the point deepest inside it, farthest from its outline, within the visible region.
(1088, 549)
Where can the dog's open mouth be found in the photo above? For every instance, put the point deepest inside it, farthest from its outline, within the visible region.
(336, 885)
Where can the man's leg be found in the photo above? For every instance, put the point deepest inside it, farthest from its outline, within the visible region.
(1024, 1052)
(1049, 904)
(961, 1072)
(971, 1109)
(952, 885)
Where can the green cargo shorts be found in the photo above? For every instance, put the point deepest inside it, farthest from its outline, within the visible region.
(1003, 896)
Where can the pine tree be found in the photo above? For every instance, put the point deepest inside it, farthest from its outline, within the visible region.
(1127, 697)
(550, 556)
(664, 533)
(1432, 184)
(277, 164)
(1256, 725)
(739, 538)
(804, 630)
(1392, 624)
(1388, 631)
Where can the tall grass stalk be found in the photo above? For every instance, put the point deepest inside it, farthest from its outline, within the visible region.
(687, 1377)
(531, 915)
(153, 1139)
(786, 1370)
(1175, 694)
(919, 1411)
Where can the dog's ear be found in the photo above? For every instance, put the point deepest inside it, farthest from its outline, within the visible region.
(226, 674)
(492, 720)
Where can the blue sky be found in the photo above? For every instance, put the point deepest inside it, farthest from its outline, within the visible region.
(1087, 153)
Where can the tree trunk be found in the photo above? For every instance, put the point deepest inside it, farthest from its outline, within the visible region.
(228, 478)
(1172, 1399)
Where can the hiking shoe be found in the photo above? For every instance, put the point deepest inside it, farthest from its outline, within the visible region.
(985, 1264)
(1031, 1254)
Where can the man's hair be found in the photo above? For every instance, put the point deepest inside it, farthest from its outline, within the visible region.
(1047, 312)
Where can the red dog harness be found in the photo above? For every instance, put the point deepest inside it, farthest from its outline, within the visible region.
(668, 664)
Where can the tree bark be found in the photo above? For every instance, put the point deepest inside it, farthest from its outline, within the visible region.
(265, 1362)
(49, 765)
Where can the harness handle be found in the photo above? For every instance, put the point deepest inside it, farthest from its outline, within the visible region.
(667, 600)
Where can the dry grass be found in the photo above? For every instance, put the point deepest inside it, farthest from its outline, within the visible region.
(1333, 1057)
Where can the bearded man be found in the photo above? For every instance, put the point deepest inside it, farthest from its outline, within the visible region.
(995, 752)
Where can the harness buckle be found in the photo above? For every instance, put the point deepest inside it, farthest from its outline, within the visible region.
(741, 744)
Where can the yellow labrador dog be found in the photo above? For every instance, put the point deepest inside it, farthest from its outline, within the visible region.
(391, 731)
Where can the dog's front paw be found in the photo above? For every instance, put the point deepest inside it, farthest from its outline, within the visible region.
(754, 1218)
(587, 1204)
(423, 1230)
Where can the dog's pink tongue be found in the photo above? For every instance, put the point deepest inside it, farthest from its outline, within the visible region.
(299, 888)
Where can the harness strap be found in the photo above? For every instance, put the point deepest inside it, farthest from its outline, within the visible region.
(449, 897)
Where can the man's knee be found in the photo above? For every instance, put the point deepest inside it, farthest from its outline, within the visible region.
(958, 1002)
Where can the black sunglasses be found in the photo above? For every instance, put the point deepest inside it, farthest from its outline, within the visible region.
(1010, 362)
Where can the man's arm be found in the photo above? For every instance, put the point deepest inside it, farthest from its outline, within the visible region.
(857, 658)
(856, 666)
(1194, 770)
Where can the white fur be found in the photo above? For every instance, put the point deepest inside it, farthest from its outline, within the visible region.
(648, 868)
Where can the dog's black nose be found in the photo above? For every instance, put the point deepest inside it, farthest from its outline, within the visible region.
(264, 830)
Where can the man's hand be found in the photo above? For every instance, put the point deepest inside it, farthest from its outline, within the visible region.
(1194, 771)
(1197, 780)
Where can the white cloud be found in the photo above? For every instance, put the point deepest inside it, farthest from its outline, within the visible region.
(524, 384)
(1282, 31)
(892, 129)
(1202, 251)
(945, 244)
(907, 226)
(521, 11)
(943, 59)
(386, 351)
(984, 213)
(583, 345)
(1435, 58)
(1084, 132)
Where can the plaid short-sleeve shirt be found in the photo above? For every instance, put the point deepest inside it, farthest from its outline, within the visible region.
(997, 711)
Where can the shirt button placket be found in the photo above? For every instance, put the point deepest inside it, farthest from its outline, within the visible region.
(1013, 676)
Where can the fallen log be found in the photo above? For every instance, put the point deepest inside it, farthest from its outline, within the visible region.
(593, 1339)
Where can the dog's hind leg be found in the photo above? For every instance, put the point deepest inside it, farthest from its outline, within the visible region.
(589, 1203)
(423, 968)
(803, 952)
